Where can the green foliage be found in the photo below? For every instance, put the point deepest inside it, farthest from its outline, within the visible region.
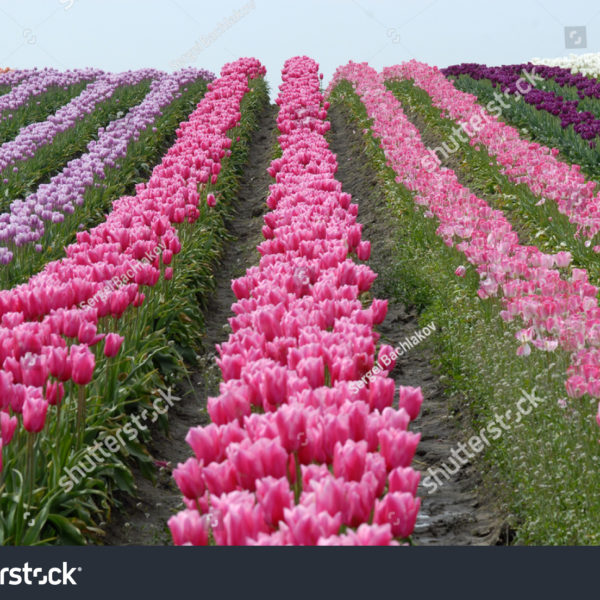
(67, 145)
(38, 108)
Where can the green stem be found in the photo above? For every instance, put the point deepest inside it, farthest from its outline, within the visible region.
(30, 467)
(298, 483)
(80, 415)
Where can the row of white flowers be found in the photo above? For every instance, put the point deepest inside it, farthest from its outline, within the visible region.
(588, 64)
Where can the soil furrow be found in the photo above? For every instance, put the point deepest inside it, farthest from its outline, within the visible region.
(143, 520)
(459, 512)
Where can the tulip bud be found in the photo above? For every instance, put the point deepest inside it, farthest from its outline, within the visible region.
(84, 363)
(411, 399)
(34, 411)
(112, 344)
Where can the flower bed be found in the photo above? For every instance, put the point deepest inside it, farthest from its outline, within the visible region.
(296, 456)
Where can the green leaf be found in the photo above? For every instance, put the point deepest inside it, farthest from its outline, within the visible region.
(67, 531)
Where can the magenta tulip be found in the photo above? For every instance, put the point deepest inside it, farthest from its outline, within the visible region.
(112, 344)
(84, 362)
(34, 411)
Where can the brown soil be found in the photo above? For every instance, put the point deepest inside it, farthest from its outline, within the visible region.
(459, 512)
(143, 519)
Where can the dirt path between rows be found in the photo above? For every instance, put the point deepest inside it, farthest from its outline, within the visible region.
(143, 520)
(458, 513)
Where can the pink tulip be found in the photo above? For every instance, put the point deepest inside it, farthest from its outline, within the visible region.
(34, 411)
(349, 460)
(17, 398)
(211, 200)
(398, 447)
(274, 495)
(112, 344)
(400, 510)
(291, 425)
(410, 400)
(34, 369)
(381, 393)
(205, 443)
(239, 523)
(304, 526)
(55, 392)
(363, 250)
(8, 425)
(300, 339)
(360, 498)
(88, 335)
(404, 479)
(60, 363)
(327, 494)
(313, 368)
(365, 535)
(232, 405)
(189, 528)
(220, 478)
(83, 364)
(188, 476)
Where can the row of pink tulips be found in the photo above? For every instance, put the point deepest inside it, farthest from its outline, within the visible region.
(557, 310)
(293, 456)
(48, 325)
(520, 160)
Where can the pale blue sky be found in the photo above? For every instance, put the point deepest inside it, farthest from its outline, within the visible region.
(121, 34)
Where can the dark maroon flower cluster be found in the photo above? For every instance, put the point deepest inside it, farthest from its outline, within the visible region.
(507, 77)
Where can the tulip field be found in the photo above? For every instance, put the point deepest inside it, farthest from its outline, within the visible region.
(204, 294)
